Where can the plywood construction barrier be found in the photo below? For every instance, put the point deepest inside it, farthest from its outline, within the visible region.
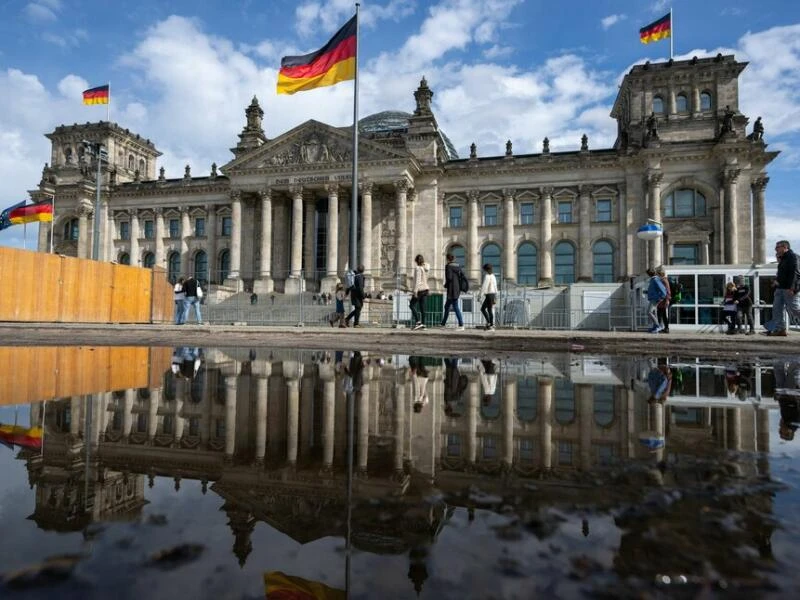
(42, 287)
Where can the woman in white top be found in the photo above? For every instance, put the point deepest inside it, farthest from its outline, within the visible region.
(419, 291)
(179, 295)
(489, 294)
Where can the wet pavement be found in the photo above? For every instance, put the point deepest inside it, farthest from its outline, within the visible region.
(224, 472)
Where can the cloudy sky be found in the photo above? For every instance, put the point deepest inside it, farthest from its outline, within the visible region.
(182, 73)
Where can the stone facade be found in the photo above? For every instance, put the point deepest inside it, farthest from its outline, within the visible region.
(277, 217)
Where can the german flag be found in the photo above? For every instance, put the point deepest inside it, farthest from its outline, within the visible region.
(96, 95)
(39, 211)
(334, 62)
(657, 30)
(280, 586)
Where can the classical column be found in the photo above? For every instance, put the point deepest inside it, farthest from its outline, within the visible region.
(264, 284)
(43, 238)
(509, 252)
(401, 197)
(735, 428)
(236, 235)
(309, 263)
(546, 249)
(160, 260)
(102, 247)
(473, 267)
(729, 178)
(654, 188)
(625, 254)
(127, 412)
(111, 232)
(399, 426)
(293, 373)
(671, 108)
(211, 242)
(178, 433)
(585, 397)
(75, 415)
(509, 420)
(152, 415)
(365, 252)
(186, 232)
(362, 398)
(332, 255)
(473, 402)
(585, 270)
(294, 284)
(136, 259)
(546, 421)
(696, 109)
(657, 416)
(262, 370)
(83, 230)
(231, 384)
(759, 219)
(327, 375)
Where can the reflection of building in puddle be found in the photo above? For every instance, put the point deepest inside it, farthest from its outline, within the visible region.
(271, 434)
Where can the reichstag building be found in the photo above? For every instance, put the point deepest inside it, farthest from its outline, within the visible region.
(276, 217)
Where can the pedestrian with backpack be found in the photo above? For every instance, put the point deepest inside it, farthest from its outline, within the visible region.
(454, 283)
(356, 298)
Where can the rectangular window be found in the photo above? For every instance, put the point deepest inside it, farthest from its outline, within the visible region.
(199, 227)
(490, 215)
(603, 211)
(526, 450)
(685, 254)
(565, 453)
(149, 230)
(455, 216)
(125, 230)
(565, 212)
(526, 213)
(453, 444)
(174, 229)
(227, 226)
(489, 447)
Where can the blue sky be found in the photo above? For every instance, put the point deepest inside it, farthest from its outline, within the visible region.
(183, 72)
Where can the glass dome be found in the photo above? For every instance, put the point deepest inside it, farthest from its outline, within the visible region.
(396, 120)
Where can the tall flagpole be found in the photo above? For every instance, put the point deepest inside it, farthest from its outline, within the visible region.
(53, 222)
(671, 32)
(108, 106)
(354, 200)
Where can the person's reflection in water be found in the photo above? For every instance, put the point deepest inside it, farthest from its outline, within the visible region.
(488, 373)
(186, 361)
(354, 373)
(659, 380)
(419, 382)
(787, 393)
(454, 385)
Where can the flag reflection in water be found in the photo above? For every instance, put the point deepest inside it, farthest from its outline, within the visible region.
(280, 586)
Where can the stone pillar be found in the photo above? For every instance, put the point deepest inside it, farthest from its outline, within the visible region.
(546, 249)
(111, 232)
(136, 259)
(294, 284)
(671, 100)
(102, 247)
(401, 234)
(160, 259)
(231, 385)
(509, 252)
(176, 415)
(585, 270)
(365, 252)
(546, 421)
(152, 415)
(83, 231)
(262, 370)
(625, 254)
(332, 255)
(657, 416)
(236, 236)
(654, 188)
(75, 415)
(186, 232)
(127, 412)
(399, 426)
(43, 238)
(211, 243)
(473, 267)
(696, 110)
(328, 416)
(729, 178)
(264, 284)
(473, 402)
(293, 372)
(309, 263)
(585, 397)
(363, 398)
(759, 219)
(509, 420)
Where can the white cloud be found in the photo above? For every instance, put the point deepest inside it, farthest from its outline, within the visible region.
(326, 17)
(610, 20)
(39, 12)
(497, 51)
(660, 5)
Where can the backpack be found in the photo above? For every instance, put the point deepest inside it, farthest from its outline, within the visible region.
(676, 290)
(463, 282)
(349, 280)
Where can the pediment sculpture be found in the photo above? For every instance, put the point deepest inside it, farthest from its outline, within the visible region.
(313, 149)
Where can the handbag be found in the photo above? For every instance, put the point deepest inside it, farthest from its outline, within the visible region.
(199, 292)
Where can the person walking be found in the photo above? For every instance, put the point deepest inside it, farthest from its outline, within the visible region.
(729, 310)
(356, 298)
(419, 291)
(656, 292)
(179, 295)
(786, 287)
(453, 276)
(338, 316)
(191, 287)
(489, 295)
(663, 306)
(744, 305)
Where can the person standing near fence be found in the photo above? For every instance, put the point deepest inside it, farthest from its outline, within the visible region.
(453, 276)
(356, 298)
(786, 284)
(179, 295)
(419, 291)
(191, 287)
(489, 295)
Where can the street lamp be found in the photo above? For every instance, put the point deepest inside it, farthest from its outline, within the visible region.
(96, 150)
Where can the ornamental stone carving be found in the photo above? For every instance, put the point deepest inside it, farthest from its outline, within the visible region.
(313, 149)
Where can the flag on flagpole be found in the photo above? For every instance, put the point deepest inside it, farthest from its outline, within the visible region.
(5, 222)
(280, 586)
(657, 30)
(32, 213)
(97, 95)
(334, 62)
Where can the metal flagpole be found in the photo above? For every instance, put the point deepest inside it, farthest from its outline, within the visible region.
(52, 223)
(671, 32)
(108, 106)
(354, 200)
(24, 236)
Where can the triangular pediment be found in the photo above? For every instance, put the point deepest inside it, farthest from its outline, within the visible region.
(312, 144)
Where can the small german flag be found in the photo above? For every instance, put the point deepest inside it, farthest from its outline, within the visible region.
(39, 211)
(334, 62)
(96, 95)
(657, 30)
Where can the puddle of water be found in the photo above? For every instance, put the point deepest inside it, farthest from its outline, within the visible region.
(227, 473)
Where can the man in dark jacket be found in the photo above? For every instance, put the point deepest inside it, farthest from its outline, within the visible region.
(786, 287)
(452, 283)
(356, 298)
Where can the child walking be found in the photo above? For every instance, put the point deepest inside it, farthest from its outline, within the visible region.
(489, 294)
(338, 316)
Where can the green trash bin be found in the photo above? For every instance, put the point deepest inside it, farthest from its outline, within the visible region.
(434, 304)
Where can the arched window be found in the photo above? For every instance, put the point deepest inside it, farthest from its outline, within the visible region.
(684, 203)
(564, 395)
(458, 252)
(174, 266)
(124, 259)
(604, 405)
(131, 162)
(705, 101)
(681, 103)
(142, 167)
(149, 260)
(71, 230)
(68, 155)
(603, 257)
(658, 105)
(201, 266)
(527, 264)
(564, 254)
(224, 264)
(491, 254)
(527, 399)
